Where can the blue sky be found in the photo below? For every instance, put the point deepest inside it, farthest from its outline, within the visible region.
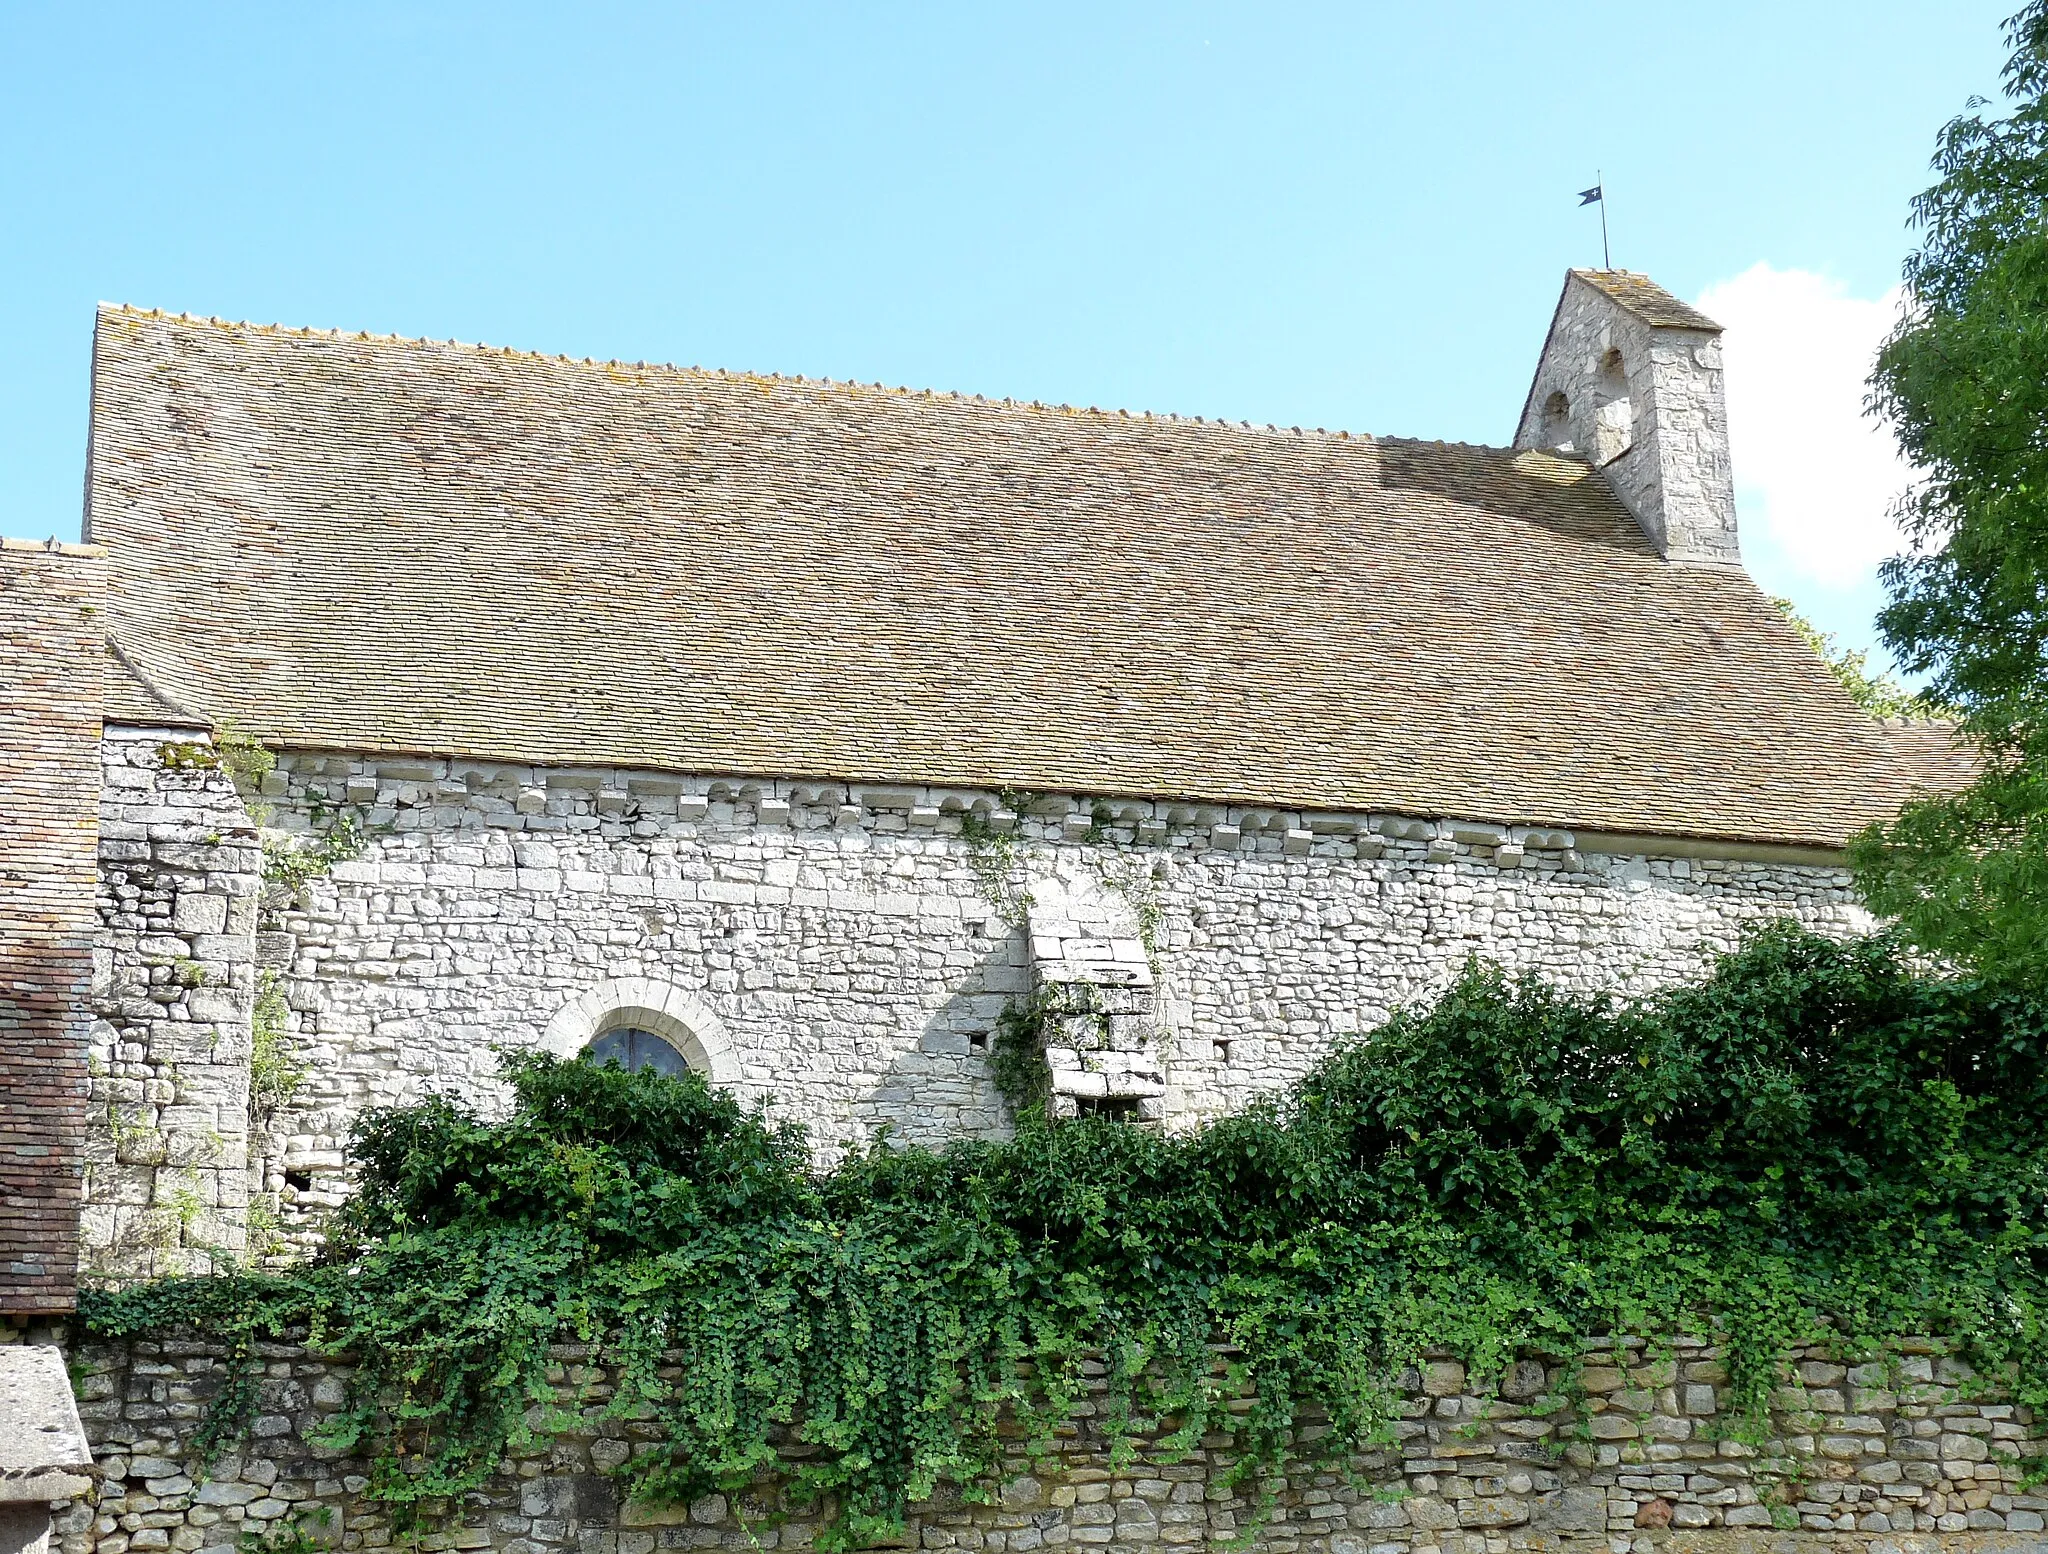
(1351, 216)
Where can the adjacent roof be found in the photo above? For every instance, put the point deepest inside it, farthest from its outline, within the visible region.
(1647, 300)
(1936, 757)
(360, 542)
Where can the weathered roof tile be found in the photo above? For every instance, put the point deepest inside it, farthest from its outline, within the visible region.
(1647, 300)
(385, 544)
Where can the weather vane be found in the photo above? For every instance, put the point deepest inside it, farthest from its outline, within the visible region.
(1597, 196)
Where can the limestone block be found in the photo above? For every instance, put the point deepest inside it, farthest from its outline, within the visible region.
(200, 911)
(830, 945)
(43, 1450)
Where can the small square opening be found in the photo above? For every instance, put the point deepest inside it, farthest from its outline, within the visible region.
(1117, 1108)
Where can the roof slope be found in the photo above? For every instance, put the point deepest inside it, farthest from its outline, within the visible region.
(358, 542)
(1936, 756)
(1647, 300)
(128, 698)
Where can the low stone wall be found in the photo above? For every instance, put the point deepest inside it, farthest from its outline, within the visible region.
(1862, 1459)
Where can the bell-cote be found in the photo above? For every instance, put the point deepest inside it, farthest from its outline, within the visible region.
(1630, 380)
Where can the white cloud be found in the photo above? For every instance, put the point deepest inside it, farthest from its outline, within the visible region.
(1815, 478)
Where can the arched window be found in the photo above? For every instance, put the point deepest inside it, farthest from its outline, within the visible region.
(1613, 416)
(644, 1023)
(1557, 422)
(634, 1049)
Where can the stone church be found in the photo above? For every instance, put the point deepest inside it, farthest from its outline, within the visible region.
(793, 730)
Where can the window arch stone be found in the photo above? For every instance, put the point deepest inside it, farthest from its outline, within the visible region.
(643, 1003)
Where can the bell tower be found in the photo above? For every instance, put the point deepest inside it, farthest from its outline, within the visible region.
(1630, 381)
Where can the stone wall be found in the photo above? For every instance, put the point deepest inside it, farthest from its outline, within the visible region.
(1888, 1459)
(52, 646)
(844, 953)
(167, 1160)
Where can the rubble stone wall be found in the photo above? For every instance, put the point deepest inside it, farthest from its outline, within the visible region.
(174, 982)
(1909, 1457)
(846, 953)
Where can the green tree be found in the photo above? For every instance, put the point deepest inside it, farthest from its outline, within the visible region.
(1963, 381)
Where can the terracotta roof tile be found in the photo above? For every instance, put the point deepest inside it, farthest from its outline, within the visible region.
(353, 541)
(131, 699)
(1936, 758)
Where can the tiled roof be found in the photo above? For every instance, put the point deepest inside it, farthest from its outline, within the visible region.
(52, 599)
(128, 698)
(1936, 758)
(1647, 300)
(359, 542)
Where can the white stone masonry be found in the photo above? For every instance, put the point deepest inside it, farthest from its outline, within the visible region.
(842, 954)
(1645, 405)
(1098, 1002)
(166, 1183)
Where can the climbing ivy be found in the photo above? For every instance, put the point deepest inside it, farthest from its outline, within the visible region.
(291, 864)
(992, 854)
(1017, 1055)
(1820, 1143)
(288, 863)
(276, 1069)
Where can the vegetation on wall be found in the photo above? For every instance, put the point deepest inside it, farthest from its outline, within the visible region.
(1017, 1055)
(290, 865)
(229, 749)
(276, 1068)
(992, 854)
(1820, 1140)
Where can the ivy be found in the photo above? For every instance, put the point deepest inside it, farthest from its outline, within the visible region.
(275, 1068)
(309, 1534)
(1017, 1055)
(992, 854)
(290, 865)
(1132, 879)
(1820, 1143)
